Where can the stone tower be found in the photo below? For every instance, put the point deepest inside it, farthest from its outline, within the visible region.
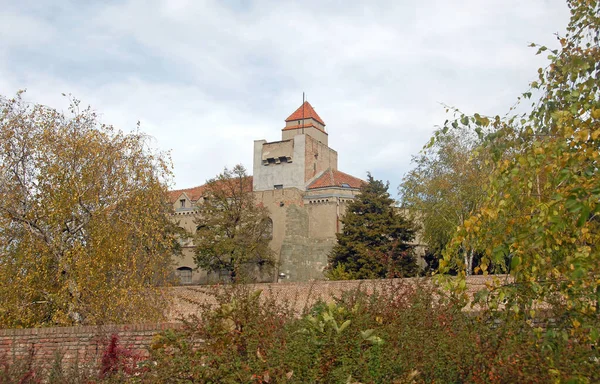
(302, 153)
(298, 181)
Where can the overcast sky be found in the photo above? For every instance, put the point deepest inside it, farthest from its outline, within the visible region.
(206, 78)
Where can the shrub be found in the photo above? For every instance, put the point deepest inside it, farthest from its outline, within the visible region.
(22, 371)
(401, 332)
(118, 360)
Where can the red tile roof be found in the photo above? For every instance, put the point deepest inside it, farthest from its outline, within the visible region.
(331, 178)
(193, 193)
(305, 111)
(196, 193)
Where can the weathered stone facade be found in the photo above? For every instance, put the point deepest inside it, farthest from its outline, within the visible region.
(297, 179)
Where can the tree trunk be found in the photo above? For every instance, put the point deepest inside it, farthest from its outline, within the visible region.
(469, 262)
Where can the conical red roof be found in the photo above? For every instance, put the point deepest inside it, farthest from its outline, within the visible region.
(305, 111)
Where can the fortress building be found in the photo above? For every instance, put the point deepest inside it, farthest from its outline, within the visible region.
(298, 180)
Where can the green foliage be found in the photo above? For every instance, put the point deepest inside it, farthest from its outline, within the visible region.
(375, 239)
(399, 332)
(233, 341)
(85, 229)
(233, 232)
(543, 199)
(444, 189)
(339, 273)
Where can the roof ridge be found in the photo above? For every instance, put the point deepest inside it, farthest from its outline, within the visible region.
(187, 189)
(194, 193)
(334, 178)
(347, 174)
(315, 177)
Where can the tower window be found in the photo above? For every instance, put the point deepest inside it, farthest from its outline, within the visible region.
(278, 186)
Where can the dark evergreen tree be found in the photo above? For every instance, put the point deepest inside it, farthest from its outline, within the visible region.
(375, 240)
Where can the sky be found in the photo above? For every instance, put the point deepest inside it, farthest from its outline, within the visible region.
(207, 78)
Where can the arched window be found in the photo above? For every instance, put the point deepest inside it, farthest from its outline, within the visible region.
(185, 275)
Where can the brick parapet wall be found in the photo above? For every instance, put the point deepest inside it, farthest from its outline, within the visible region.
(186, 299)
(83, 344)
(87, 343)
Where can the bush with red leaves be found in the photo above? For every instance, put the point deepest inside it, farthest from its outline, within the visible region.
(118, 359)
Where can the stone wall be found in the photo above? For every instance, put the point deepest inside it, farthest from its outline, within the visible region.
(286, 174)
(303, 257)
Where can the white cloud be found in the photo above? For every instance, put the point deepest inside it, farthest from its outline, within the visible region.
(206, 78)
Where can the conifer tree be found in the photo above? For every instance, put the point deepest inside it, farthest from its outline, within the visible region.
(375, 240)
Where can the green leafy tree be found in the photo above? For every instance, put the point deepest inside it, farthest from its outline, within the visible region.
(233, 231)
(85, 229)
(375, 239)
(444, 189)
(543, 201)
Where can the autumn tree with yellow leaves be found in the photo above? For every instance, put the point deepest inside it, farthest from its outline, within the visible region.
(85, 236)
(443, 190)
(542, 206)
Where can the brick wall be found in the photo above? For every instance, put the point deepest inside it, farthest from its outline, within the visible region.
(187, 298)
(87, 343)
(318, 157)
(82, 344)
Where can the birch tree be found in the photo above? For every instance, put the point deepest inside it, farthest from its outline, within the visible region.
(444, 189)
(542, 203)
(85, 236)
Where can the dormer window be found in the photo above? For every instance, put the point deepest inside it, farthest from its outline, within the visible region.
(345, 185)
(182, 203)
